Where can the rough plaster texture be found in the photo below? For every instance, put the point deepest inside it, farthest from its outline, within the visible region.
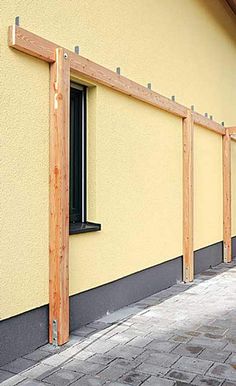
(186, 48)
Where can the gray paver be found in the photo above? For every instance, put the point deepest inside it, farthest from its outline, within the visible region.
(206, 381)
(134, 378)
(83, 367)
(180, 375)
(112, 373)
(231, 359)
(157, 381)
(195, 365)
(39, 371)
(88, 381)
(5, 375)
(161, 346)
(149, 368)
(188, 350)
(223, 371)
(161, 359)
(62, 378)
(18, 365)
(37, 355)
(214, 355)
(126, 352)
(30, 382)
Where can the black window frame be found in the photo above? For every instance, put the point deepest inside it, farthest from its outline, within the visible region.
(78, 162)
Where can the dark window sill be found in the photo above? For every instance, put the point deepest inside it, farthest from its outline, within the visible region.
(83, 227)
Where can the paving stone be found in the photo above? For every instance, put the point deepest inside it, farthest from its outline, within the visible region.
(15, 380)
(195, 365)
(126, 352)
(180, 338)
(215, 356)
(208, 342)
(228, 383)
(102, 347)
(126, 364)
(119, 315)
(161, 359)
(222, 371)
(161, 346)
(157, 381)
(188, 350)
(55, 360)
(37, 355)
(62, 377)
(206, 381)
(30, 382)
(84, 331)
(152, 369)
(134, 378)
(5, 375)
(52, 349)
(88, 381)
(116, 384)
(140, 341)
(112, 373)
(83, 367)
(83, 355)
(102, 359)
(39, 371)
(230, 347)
(231, 359)
(180, 375)
(18, 365)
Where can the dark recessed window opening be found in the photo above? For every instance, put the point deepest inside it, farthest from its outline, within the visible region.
(78, 160)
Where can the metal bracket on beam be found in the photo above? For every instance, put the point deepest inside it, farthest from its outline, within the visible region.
(17, 20)
(54, 333)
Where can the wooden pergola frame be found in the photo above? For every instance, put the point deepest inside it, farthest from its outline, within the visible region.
(63, 63)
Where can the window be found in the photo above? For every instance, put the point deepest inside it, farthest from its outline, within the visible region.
(77, 200)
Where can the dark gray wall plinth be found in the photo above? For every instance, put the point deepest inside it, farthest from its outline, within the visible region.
(90, 305)
(23, 333)
(207, 257)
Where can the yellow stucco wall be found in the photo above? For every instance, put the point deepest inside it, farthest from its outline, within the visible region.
(184, 47)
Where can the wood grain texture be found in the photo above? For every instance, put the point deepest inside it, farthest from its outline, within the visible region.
(208, 123)
(231, 130)
(41, 48)
(59, 196)
(227, 197)
(232, 4)
(188, 258)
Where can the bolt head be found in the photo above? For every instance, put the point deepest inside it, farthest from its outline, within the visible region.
(65, 55)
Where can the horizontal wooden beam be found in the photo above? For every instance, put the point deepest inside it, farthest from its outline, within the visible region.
(38, 47)
(231, 130)
(207, 123)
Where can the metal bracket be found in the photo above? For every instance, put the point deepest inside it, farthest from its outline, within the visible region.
(54, 333)
(225, 253)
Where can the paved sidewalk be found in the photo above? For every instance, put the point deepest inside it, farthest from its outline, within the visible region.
(183, 335)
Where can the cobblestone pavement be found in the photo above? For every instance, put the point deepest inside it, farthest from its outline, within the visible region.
(183, 335)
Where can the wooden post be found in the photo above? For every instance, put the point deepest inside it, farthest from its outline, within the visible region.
(227, 197)
(59, 199)
(188, 261)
